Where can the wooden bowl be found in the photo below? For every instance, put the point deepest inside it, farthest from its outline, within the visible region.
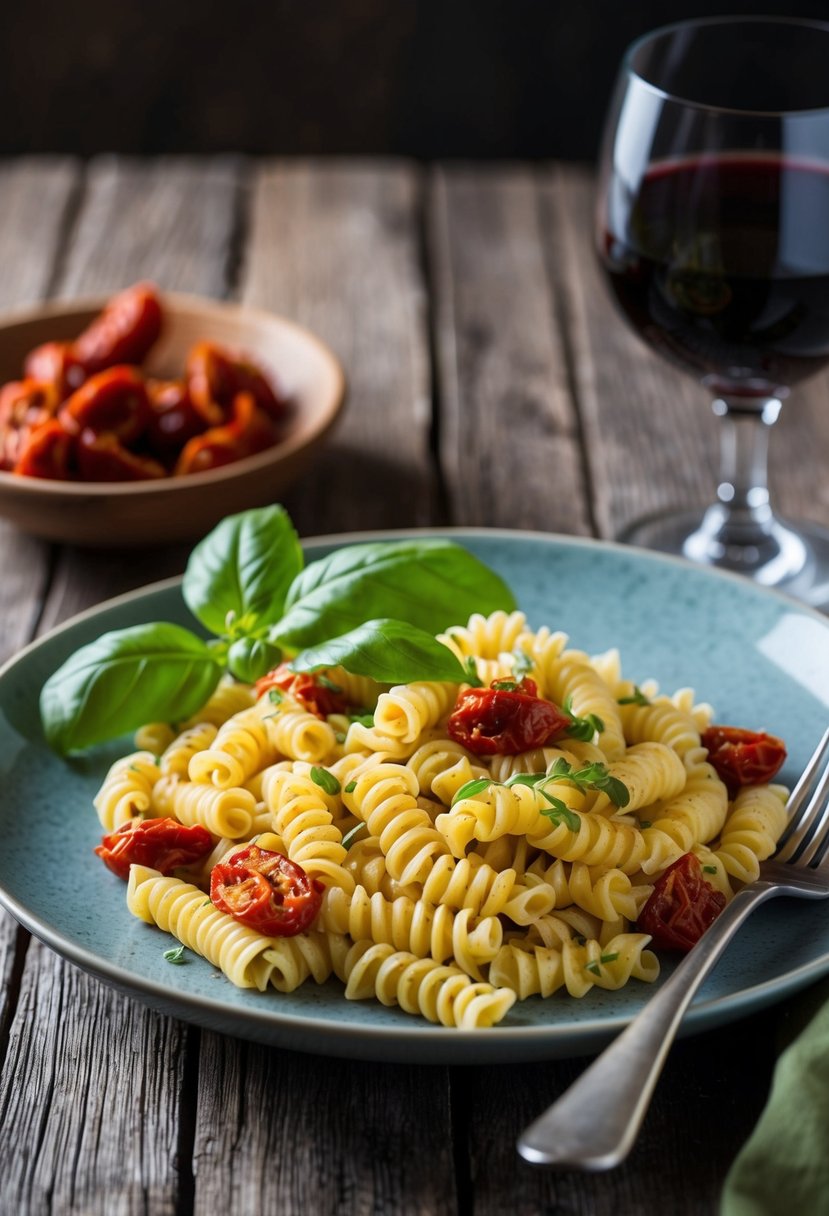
(113, 514)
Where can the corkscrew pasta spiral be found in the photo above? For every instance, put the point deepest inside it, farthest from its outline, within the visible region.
(451, 883)
(439, 992)
(127, 790)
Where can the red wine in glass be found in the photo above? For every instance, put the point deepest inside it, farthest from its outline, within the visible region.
(723, 265)
(713, 233)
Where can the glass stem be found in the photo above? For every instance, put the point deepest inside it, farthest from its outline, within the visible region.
(740, 531)
(743, 491)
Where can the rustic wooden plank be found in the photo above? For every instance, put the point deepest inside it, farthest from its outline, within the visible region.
(173, 221)
(649, 435)
(325, 1136)
(684, 1150)
(510, 445)
(90, 1118)
(35, 199)
(13, 942)
(107, 1119)
(335, 247)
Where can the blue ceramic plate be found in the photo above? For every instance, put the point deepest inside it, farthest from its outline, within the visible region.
(761, 660)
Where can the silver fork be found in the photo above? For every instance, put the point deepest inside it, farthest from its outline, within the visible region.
(594, 1124)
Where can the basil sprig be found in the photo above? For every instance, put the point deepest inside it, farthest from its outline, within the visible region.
(637, 697)
(584, 728)
(593, 776)
(373, 609)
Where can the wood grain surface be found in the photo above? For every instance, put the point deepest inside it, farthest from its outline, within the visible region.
(491, 384)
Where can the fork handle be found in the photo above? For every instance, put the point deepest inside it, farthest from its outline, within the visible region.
(594, 1124)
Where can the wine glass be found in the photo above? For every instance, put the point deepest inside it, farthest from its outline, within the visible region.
(713, 231)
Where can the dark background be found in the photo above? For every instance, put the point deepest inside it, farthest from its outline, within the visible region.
(420, 78)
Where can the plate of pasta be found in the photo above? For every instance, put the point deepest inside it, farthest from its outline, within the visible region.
(467, 897)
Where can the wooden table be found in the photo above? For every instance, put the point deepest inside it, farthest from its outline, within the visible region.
(491, 385)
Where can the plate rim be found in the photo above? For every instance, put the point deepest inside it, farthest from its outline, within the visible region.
(434, 1043)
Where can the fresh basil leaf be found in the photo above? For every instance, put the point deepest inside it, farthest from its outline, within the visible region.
(250, 658)
(585, 728)
(637, 697)
(616, 790)
(591, 774)
(594, 776)
(351, 835)
(531, 779)
(559, 813)
(327, 782)
(430, 583)
(559, 768)
(391, 652)
(476, 786)
(125, 678)
(240, 573)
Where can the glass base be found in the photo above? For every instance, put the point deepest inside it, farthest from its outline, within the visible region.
(792, 557)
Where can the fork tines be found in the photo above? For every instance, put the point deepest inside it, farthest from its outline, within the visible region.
(804, 841)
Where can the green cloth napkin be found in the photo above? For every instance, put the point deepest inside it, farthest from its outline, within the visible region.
(784, 1166)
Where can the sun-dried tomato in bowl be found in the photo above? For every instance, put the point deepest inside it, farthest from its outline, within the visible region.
(86, 411)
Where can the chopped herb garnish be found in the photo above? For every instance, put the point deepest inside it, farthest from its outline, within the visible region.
(504, 685)
(275, 695)
(645, 823)
(591, 776)
(339, 736)
(594, 966)
(525, 779)
(637, 697)
(583, 728)
(351, 787)
(174, 955)
(709, 869)
(325, 780)
(348, 839)
(366, 719)
(559, 812)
